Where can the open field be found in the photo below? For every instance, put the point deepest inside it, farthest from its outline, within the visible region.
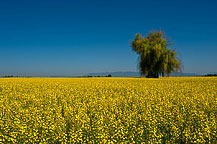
(103, 110)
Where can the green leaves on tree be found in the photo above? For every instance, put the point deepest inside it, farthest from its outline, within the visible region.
(155, 58)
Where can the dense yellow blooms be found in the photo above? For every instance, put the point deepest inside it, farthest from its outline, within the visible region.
(108, 110)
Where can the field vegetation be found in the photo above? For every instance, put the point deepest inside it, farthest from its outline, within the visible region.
(108, 110)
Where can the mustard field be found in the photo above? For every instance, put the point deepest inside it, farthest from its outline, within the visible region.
(108, 110)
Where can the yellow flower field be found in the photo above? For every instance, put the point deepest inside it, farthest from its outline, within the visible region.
(108, 110)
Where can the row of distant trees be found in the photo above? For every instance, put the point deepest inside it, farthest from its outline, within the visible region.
(211, 75)
(10, 76)
(109, 75)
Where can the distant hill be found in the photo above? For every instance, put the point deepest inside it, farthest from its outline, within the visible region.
(137, 74)
(115, 74)
(118, 74)
(184, 74)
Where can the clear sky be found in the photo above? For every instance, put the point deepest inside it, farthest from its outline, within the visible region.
(75, 37)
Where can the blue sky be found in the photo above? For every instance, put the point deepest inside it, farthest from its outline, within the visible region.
(50, 37)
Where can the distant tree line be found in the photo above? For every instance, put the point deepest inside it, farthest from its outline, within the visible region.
(10, 76)
(109, 75)
(210, 75)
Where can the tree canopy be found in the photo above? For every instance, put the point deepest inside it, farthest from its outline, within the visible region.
(155, 58)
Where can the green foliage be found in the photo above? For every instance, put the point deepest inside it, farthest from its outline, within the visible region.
(109, 75)
(155, 58)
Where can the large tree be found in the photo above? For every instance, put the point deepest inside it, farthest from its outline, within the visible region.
(155, 58)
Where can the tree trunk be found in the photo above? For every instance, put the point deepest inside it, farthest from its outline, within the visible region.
(152, 75)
